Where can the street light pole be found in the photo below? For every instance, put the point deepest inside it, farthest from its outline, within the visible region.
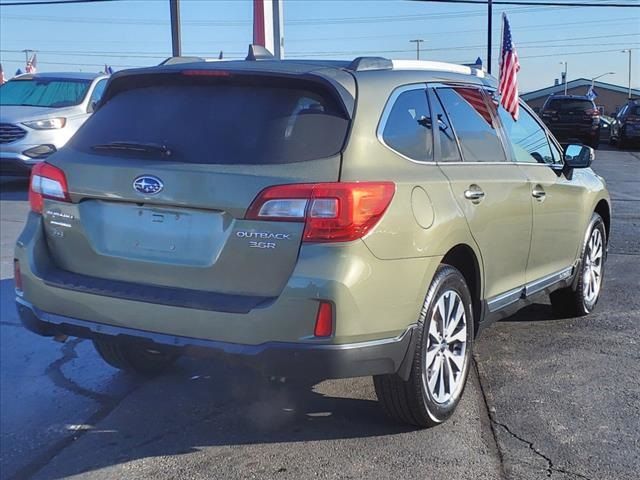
(417, 41)
(566, 66)
(174, 7)
(628, 50)
(600, 76)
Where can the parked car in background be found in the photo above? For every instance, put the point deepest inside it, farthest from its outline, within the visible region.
(605, 127)
(571, 118)
(312, 219)
(40, 112)
(626, 126)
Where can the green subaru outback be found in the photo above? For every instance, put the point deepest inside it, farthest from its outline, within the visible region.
(313, 219)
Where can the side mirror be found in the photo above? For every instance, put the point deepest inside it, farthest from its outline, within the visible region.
(578, 156)
(92, 106)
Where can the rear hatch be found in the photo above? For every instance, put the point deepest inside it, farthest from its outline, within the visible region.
(567, 113)
(161, 176)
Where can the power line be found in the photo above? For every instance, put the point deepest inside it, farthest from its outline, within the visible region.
(50, 2)
(542, 3)
(552, 43)
(293, 22)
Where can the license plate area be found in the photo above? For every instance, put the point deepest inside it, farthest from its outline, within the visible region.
(161, 230)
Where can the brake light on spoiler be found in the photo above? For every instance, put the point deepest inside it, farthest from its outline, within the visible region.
(332, 212)
(47, 181)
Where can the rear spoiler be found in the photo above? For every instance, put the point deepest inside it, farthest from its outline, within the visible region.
(336, 81)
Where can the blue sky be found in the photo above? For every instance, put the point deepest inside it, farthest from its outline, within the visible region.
(137, 32)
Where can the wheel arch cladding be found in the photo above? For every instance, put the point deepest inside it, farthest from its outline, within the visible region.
(464, 259)
(602, 209)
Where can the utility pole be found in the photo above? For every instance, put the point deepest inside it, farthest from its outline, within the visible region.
(489, 26)
(566, 66)
(628, 50)
(174, 7)
(417, 41)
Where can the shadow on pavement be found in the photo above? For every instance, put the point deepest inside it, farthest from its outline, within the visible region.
(198, 403)
(13, 188)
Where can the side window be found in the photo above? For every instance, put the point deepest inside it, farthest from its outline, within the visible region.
(407, 129)
(445, 135)
(528, 139)
(558, 156)
(98, 91)
(622, 112)
(473, 124)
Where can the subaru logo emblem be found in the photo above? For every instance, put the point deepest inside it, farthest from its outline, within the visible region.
(148, 185)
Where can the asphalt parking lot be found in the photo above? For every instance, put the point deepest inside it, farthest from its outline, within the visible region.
(547, 398)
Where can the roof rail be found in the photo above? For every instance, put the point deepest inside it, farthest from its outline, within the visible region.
(258, 52)
(437, 66)
(175, 60)
(361, 64)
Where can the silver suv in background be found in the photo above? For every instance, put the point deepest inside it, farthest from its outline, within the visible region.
(40, 112)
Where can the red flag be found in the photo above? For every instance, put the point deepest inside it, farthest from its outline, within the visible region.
(509, 67)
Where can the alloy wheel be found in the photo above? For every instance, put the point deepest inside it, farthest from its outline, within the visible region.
(592, 273)
(444, 362)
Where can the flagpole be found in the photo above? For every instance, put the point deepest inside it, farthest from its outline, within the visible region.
(500, 54)
(489, 28)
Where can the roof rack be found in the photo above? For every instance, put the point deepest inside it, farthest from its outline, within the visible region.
(437, 66)
(176, 60)
(258, 52)
(361, 64)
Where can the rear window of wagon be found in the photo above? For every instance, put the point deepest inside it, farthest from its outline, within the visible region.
(235, 120)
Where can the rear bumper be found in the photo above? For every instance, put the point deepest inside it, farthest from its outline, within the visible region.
(282, 359)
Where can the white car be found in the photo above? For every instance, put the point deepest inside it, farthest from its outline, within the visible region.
(40, 112)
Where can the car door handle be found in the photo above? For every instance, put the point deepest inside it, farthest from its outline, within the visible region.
(473, 193)
(538, 192)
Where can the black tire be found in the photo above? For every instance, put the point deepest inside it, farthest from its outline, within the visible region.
(411, 401)
(621, 143)
(134, 358)
(572, 301)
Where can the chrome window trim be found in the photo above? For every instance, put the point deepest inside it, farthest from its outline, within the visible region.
(382, 123)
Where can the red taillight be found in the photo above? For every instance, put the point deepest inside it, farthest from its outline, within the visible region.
(324, 320)
(17, 276)
(332, 212)
(47, 181)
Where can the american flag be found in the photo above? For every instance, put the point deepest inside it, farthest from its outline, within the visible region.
(509, 67)
(31, 64)
(474, 98)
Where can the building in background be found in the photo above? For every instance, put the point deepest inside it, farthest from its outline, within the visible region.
(610, 97)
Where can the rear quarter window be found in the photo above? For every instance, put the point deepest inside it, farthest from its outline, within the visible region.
(407, 128)
(241, 121)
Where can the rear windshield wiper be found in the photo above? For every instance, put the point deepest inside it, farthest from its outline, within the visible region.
(134, 147)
